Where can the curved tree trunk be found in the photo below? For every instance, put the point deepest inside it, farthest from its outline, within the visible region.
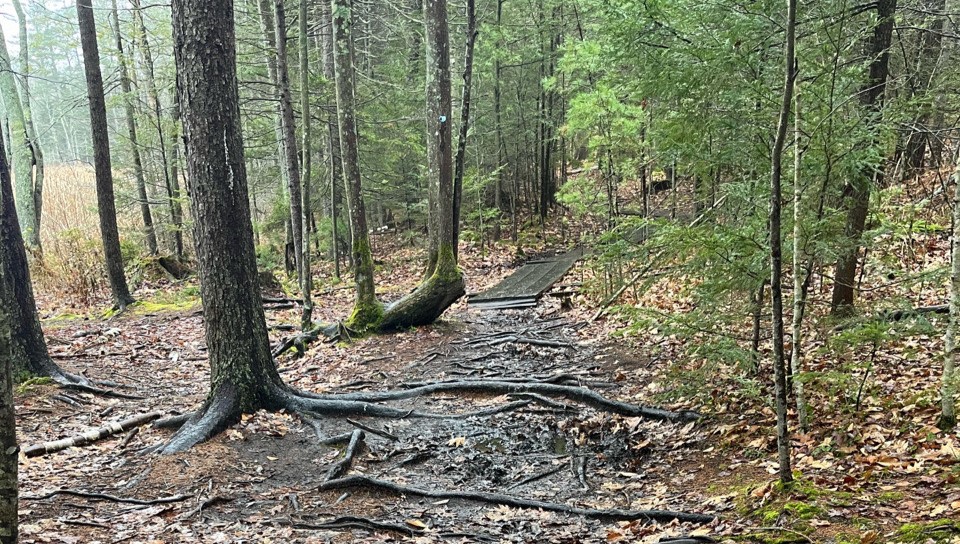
(106, 206)
(366, 310)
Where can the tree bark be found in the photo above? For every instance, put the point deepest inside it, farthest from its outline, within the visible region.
(8, 361)
(289, 132)
(243, 376)
(20, 151)
(367, 312)
(928, 59)
(856, 194)
(36, 150)
(776, 256)
(171, 185)
(149, 234)
(106, 206)
(464, 119)
(948, 388)
(333, 139)
(306, 272)
(799, 271)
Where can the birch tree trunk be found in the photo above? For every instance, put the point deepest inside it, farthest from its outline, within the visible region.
(799, 276)
(948, 388)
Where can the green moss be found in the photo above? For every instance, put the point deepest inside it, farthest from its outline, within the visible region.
(366, 316)
(26, 382)
(889, 496)
(934, 531)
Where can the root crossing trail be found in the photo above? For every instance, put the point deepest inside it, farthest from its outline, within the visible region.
(501, 425)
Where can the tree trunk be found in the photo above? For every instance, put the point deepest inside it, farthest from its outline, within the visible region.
(444, 284)
(333, 139)
(464, 119)
(367, 312)
(20, 150)
(35, 149)
(8, 428)
(291, 161)
(948, 388)
(173, 196)
(856, 194)
(150, 235)
(498, 203)
(776, 256)
(106, 207)
(243, 376)
(306, 273)
(928, 59)
(799, 277)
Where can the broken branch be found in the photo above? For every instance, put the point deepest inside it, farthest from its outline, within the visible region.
(91, 436)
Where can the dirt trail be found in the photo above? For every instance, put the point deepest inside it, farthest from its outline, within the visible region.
(258, 481)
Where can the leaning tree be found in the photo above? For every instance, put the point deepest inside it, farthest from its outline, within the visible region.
(243, 374)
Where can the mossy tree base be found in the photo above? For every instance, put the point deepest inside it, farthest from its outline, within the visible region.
(426, 303)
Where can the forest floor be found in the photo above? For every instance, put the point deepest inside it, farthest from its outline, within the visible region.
(880, 473)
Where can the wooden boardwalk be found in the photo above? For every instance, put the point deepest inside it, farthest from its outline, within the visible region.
(523, 288)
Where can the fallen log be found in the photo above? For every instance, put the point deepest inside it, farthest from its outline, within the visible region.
(899, 315)
(516, 502)
(91, 436)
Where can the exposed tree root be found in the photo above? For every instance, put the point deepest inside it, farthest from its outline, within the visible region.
(579, 394)
(342, 466)
(350, 482)
(105, 497)
(353, 522)
(223, 407)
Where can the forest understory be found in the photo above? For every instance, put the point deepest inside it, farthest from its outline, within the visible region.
(877, 471)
